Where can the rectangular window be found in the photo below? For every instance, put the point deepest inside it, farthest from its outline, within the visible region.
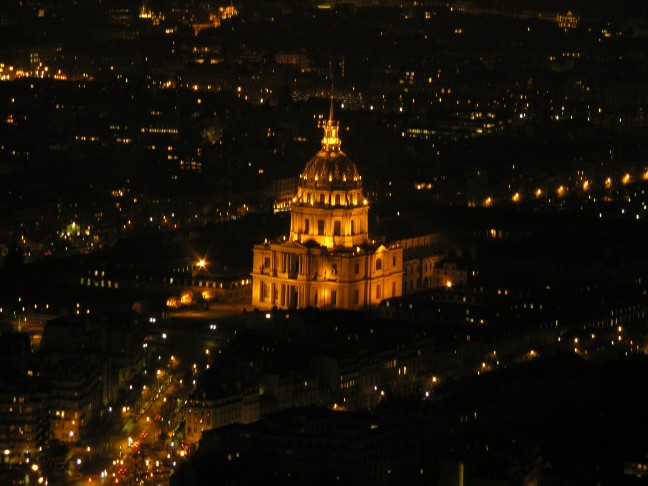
(393, 261)
(266, 262)
(337, 228)
(378, 292)
(307, 226)
(356, 297)
(264, 291)
(333, 298)
(357, 268)
(320, 227)
(352, 227)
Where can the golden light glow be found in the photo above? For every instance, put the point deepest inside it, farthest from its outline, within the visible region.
(331, 142)
(626, 179)
(567, 21)
(560, 191)
(586, 185)
(488, 201)
(516, 197)
(538, 192)
(608, 182)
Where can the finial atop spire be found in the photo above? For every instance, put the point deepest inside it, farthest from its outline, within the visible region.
(331, 142)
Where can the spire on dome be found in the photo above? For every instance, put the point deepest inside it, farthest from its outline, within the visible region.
(331, 142)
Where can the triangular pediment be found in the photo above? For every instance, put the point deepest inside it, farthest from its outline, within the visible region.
(381, 249)
(292, 244)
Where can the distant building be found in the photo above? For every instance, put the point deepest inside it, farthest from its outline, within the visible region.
(211, 409)
(299, 60)
(75, 391)
(281, 192)
(116, 339)
(567, 21)
(310, 446)
(637, 467)
(23, 422)
(88, 359)
(328, 260)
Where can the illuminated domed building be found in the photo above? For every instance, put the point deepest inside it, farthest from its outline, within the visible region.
(327, 261)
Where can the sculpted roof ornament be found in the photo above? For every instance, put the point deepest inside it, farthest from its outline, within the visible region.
(331, 142)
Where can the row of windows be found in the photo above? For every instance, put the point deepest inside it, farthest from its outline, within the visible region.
(337, 227)
(337, 200)
(20, 429)
(356, 268)
(12, 399)
(99, 283)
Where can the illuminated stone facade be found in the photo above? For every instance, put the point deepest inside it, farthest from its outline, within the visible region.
(328, 260)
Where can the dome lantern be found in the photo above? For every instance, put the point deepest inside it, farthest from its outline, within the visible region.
(331, 142)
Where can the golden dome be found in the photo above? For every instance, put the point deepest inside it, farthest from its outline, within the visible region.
(330, 168)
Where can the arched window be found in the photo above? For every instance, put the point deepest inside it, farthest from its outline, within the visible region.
(321, 198)
(378, 263)
(337, 199)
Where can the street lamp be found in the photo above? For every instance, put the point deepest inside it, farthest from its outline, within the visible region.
(200, 264)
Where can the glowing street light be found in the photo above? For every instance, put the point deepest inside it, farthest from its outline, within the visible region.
(200, 264)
